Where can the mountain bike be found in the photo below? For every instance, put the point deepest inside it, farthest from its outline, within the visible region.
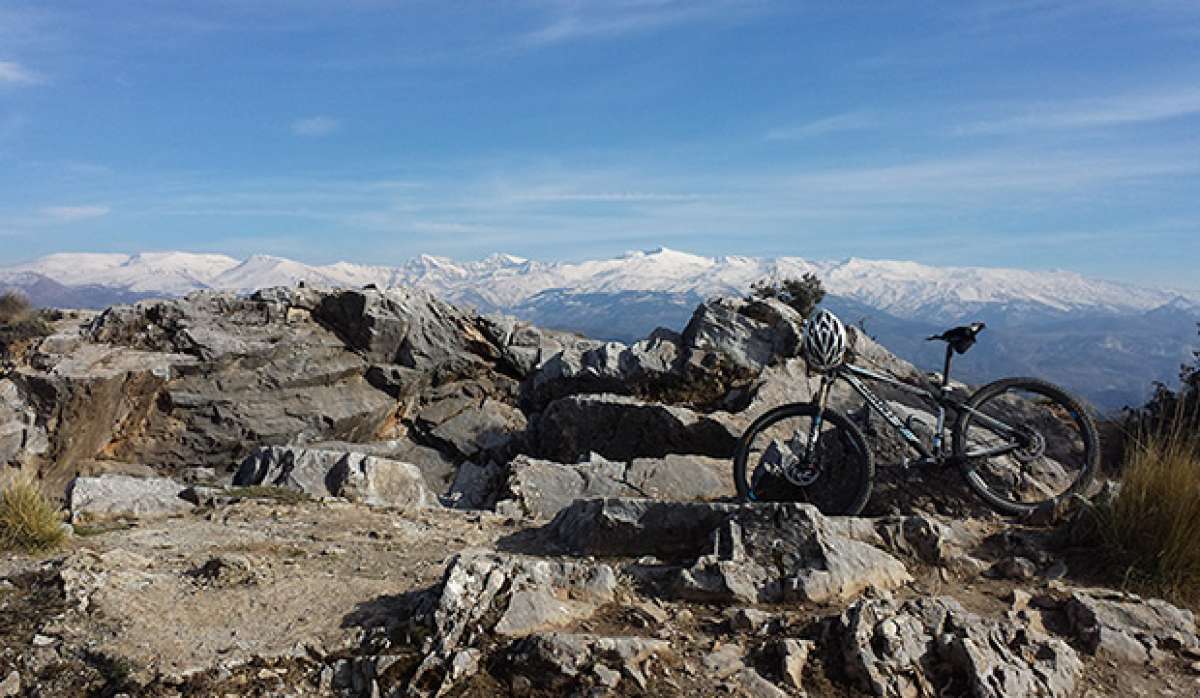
(1020, 443)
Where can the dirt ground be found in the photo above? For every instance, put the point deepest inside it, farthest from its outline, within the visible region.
(254, 598)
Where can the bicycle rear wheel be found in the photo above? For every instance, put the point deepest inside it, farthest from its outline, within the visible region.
(837, 481)
(1025, 443)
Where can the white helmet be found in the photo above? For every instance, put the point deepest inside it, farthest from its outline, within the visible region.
(824, 341)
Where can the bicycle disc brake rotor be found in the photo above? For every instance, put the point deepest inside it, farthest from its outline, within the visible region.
(1033, 446)
(787, 458)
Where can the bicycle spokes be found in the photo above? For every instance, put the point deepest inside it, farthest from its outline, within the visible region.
(1024, 447)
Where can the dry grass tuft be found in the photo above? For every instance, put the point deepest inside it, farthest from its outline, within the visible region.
(14, 307)
(29, 520)
(1152, 525)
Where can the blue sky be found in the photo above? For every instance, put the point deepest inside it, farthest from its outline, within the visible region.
(1039, 133)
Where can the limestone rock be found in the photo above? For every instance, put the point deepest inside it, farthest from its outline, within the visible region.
(559, 660)
(543, 488)
(11, 685)
(123, 496)
(733, 552)
(793, 658)
(438, 469)
(786, 552)
(197, 381)
(624, 428)
(1129, 628)
(511, 596)
(404, 326)
(479, 429)
(749, 333)
(927, 645)
(645, 368)
(354, 476)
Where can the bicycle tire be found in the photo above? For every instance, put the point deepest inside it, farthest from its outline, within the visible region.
(866, 480)
(1073, 406)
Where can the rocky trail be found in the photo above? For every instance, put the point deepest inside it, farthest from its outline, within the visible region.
(373, 493)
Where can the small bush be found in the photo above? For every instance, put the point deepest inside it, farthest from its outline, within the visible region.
(14, 307)
(29, 521)
(1152, 525)
(803, 294)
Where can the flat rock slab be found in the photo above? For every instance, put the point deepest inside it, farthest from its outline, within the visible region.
(124, 496)
(358, 477)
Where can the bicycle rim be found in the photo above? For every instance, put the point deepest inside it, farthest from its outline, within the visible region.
(841, 471)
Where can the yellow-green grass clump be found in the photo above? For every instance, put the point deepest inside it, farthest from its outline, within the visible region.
(29, 520)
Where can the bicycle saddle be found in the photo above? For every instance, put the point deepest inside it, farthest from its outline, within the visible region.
(960, 338)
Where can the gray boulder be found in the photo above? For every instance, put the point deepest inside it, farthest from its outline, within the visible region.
(732, 552)
(646, 368)
(357, 477)
(480, 428)
(525, 348)
(929, 645)
(786, 553)
(748, 334)
(404, 326)
(1129, 628)
(437, 468)
(624, 428)
(122, 496)
(543, 488)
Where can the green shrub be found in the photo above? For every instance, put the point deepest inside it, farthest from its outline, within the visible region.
(1152, 525)
(29, 521)
(803, 294)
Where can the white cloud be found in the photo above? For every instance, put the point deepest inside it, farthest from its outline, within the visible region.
(616, 18)
(16, 74)
(1132, 108)
(850, 121)
(316, 126)
(71, 214)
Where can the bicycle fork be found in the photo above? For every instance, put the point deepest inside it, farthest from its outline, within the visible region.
(814, 433)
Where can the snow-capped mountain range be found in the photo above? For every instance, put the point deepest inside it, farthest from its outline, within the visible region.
(904, 289)
(1109, 341)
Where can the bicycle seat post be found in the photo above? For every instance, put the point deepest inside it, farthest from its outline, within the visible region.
(946, 369)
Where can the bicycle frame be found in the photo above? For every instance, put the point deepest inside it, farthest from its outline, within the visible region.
(944, 401)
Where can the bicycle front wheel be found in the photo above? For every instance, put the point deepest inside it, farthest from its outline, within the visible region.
(773, 462)
(1025, 443)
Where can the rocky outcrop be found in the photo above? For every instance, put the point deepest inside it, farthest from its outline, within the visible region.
(928, 646)
(743, 553)
(723, 348)
(404, 326)
(511, 596)
(786, 553)
(1128, 628)
(624, 428)
(543, 488)
(22, 439)
(354, 476)
(557, 661)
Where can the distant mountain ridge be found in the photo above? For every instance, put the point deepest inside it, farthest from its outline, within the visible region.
(1106, 339)
(904, 289)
